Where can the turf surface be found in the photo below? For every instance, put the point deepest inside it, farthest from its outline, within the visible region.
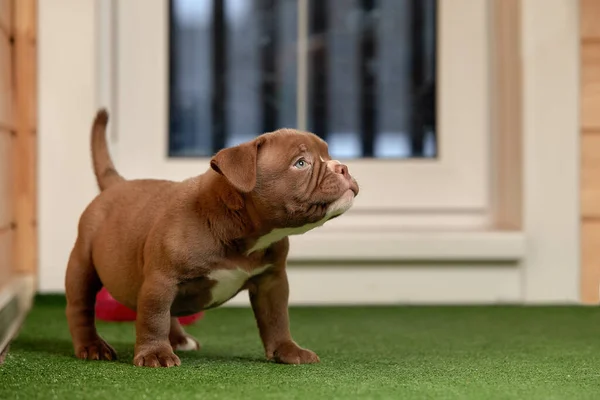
(376, 353)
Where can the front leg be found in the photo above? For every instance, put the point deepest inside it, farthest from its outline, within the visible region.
(269, 299)
(153, 322)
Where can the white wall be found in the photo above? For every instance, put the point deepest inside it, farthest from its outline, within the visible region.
(551, 149)
(67, 102)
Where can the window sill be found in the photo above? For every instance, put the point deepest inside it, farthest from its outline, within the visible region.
(424, 246)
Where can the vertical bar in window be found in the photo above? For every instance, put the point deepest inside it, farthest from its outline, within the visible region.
(368, 80)
(190, 78)
(219, 59)
(268, 34)
(287, 62)
(317, 67)
(429, 76)
(243, 72)
(394, 79)
(343, 79)
(417, 131)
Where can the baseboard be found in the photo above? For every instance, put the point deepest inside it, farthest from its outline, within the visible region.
(15, 302)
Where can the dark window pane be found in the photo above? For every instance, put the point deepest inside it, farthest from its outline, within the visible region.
(371, 74)
(233, 66)
(339, 44)
(190, 86)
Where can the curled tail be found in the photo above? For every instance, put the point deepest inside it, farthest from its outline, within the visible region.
(106, 174)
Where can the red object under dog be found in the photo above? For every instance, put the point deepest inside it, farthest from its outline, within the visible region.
(109, 309)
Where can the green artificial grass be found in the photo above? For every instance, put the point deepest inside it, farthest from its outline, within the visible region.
(368, 353)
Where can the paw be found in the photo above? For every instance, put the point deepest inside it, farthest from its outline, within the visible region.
(96, 350)
(184, 343)
(291, 353)
(156, 356)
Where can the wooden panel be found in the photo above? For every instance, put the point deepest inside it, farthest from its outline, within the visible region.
(6, 141)
(25, 141)
(590, 260)
(6, 17)
(6, 179)
(6, 84)
(590, 176)
(25, 15)
(589, 19)
(590, 86)
(6, 247)
(32, 76)
(590, 150)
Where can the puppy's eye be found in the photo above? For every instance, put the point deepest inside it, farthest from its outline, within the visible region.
(301, 164)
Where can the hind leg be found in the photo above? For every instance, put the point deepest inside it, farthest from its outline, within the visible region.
(179, 339)
(82, 284)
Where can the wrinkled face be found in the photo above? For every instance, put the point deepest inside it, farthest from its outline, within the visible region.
(290, 177)
(297, 181)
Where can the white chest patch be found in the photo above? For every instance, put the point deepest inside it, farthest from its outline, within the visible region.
(338, 207)
(277, 234)
(229, 281)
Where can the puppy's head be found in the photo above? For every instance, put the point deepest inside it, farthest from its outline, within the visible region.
(290, 177)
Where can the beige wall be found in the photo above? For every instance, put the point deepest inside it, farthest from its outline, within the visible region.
(536, 261)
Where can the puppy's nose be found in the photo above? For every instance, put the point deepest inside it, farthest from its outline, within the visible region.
(342, 169)
(339, 168)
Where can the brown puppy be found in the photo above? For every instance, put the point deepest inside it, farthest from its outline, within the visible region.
(168, 249)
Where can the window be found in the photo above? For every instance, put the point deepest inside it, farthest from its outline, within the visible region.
(194, 76)
(359, 73)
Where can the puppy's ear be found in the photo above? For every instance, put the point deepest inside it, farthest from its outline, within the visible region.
(238, 165)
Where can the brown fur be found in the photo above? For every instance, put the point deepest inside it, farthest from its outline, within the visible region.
(153, 243)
